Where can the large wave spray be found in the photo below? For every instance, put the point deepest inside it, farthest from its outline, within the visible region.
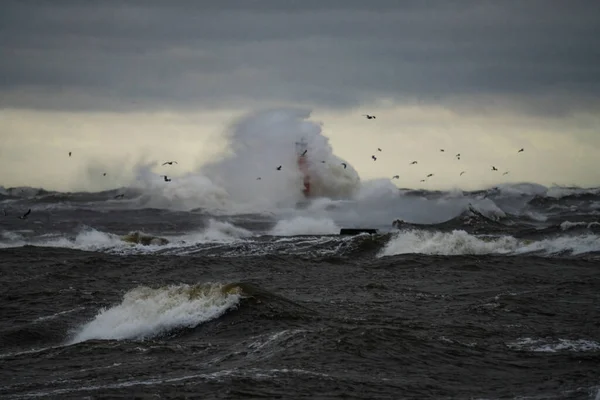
(258, 144)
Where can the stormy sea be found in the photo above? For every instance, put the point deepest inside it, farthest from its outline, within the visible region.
(221, 285)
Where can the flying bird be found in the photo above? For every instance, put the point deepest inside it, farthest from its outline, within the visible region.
(462, 173)
(344, 164)
(279, 168)
(170, 162)
(458, 155)
(422, 180)
(166, 179)
(442, 150)
(258, 179)
(69, 154)
(323, 161)
(396, 177)
(494, 168)
(520, 150)
(24, 216)
(506, 173)
(303, 154)
(369, 116)
(104, 174)
(430, 175)
(374, 158)
(414, 162)
(378, 149)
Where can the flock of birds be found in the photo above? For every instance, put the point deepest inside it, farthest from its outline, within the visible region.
(441, 150)
(374, 158)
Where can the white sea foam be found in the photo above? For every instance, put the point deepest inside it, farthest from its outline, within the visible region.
(90, 239)
(559, 192)
(566, 225)
(147, 312)
(459, 242)
(216, 231)
(305, 226)
(553, 346)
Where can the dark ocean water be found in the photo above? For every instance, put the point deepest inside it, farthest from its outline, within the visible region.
(495, 302)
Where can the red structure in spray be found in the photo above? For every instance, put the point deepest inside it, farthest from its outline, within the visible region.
(301, 150)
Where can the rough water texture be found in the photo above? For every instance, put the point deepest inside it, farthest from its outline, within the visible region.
(162, 293)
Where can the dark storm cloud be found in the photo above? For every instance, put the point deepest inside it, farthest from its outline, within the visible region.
(146, 54)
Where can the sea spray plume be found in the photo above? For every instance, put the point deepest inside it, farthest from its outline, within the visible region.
(186, 192)
(258, 143)
(262, 141)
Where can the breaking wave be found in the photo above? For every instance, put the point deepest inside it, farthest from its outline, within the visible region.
(147, 312)
(459, 242)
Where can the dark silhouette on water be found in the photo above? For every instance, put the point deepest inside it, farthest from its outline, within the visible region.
(170, 162)
(24, 216)
(369, 116)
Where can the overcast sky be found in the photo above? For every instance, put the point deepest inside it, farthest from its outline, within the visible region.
(477, 76)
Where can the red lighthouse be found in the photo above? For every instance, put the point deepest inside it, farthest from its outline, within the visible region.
(301, 150)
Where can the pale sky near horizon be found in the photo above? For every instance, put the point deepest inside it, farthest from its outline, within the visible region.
(136, 81)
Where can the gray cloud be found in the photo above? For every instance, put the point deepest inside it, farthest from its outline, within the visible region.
(76, 55)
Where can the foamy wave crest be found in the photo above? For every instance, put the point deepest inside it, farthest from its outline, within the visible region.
(521, 189)
(305, 226)
(459, 242)
(11, 239)
(566, 225)
(147, 312)
(87, 239)
(559, 192)
(553, 346)
(217, 231)
(442, 243)
(573, 244)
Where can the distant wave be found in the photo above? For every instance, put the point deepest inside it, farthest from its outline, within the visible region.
(459, 242)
